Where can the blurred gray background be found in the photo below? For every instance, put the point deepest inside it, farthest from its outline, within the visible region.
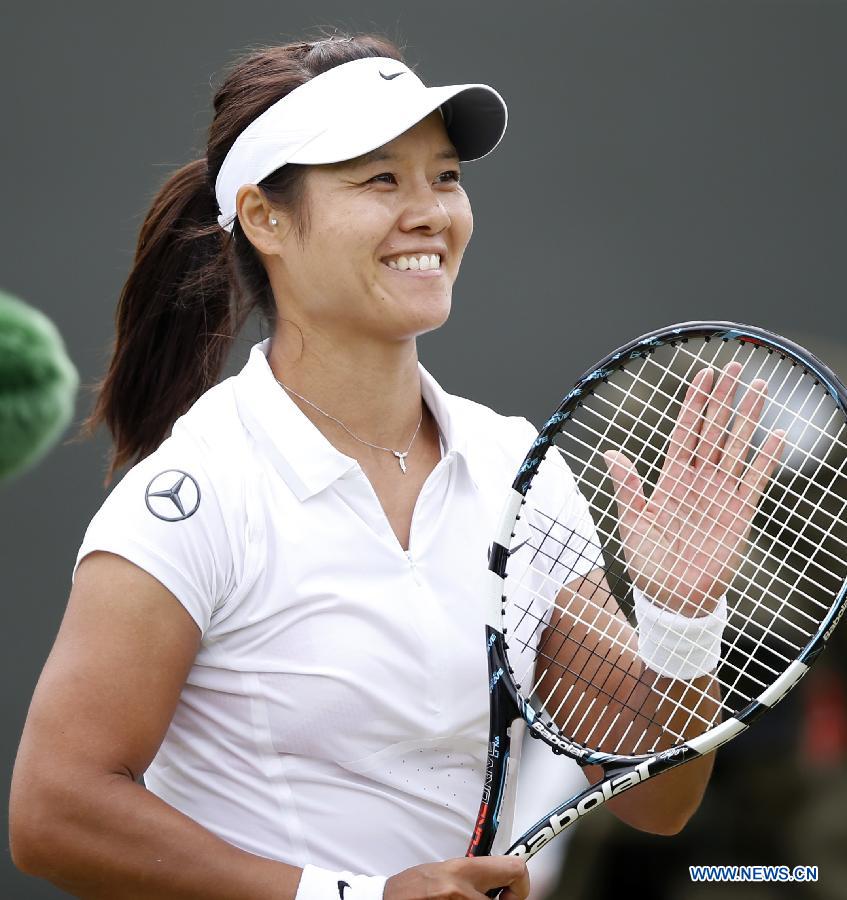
(664, 161)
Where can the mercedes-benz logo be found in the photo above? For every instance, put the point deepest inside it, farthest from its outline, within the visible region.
(173, 495)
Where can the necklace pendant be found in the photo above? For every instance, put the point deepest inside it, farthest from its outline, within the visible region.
(402, 459)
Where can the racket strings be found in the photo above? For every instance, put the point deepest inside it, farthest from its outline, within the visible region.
(614, 667)
(790, 566)
(581, 675)
(652, 469)
(805, 633)
(769, 673)
(612, 663)
(809, 560)
(782, 405)
(788, 367)
(553, 657)
(618, 581)
(823, 532)
(544, 574)
(587, 674)
(669, 398)
(582, 702)
(620, 641)
(784, 582)
(825, 490)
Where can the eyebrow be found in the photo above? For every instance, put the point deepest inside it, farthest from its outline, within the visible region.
(380, 155)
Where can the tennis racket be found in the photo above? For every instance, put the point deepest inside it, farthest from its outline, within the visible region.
(700, 469)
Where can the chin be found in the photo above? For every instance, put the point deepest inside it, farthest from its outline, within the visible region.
(407, 316)
(432, 316)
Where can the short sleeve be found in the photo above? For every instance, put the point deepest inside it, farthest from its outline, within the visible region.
(555, 543)
(560, 518)
(164, 516)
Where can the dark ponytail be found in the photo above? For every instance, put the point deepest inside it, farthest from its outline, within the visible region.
(193, 285)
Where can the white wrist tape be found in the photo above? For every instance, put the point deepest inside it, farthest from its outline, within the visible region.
(321, 884)
(675, 645)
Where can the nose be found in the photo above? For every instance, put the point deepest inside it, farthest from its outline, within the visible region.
(425, 210)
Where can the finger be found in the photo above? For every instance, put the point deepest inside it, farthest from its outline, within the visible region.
(718, 413)
(761, 469)
(686, 430)
(489, 872)
(516, 891)
(518, 887)
(746, 419)
(629, 493)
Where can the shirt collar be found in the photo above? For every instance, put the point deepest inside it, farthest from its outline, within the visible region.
(304, 458)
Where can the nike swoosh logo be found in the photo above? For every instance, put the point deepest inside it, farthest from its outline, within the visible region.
(389, 77)
(344, 884)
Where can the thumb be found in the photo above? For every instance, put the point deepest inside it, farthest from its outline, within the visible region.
(629, 493)
(509, 872)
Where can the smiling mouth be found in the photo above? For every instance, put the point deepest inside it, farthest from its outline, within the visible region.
(419, 262)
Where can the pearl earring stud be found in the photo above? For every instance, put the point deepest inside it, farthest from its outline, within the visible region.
(273, 221)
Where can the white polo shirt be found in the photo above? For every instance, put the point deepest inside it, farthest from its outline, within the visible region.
(337, 710)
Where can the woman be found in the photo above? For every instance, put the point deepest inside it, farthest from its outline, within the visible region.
(275, 616)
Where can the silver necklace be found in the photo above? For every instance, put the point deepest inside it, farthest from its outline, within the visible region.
(400, 454)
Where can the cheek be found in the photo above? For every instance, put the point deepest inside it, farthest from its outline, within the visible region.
(469, 224)
(330, 239)
(461, 216)
(462, 227)
(353, 236)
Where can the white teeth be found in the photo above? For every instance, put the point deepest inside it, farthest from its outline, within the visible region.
(424, 261)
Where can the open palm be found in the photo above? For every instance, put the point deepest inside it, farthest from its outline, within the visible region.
(684, 544)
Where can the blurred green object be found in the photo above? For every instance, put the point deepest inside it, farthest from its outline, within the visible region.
(38, 385)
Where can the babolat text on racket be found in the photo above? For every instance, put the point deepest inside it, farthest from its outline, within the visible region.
(671, 559)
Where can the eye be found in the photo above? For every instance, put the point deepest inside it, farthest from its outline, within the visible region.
(451, 175)
(384, 178)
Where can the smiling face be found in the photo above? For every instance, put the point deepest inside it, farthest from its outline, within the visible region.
(385, 239)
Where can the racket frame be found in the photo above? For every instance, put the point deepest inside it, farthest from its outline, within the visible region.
(507, 706)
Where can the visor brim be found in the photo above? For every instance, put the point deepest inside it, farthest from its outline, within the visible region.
(474, 115)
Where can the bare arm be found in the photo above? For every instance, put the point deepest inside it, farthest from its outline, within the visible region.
(100, 710)
(600, 692)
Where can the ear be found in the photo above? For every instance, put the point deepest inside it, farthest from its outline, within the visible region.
(255, 214)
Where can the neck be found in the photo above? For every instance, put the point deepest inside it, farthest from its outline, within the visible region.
(373, 389)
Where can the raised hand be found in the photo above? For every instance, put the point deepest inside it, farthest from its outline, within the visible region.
(684, 544)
